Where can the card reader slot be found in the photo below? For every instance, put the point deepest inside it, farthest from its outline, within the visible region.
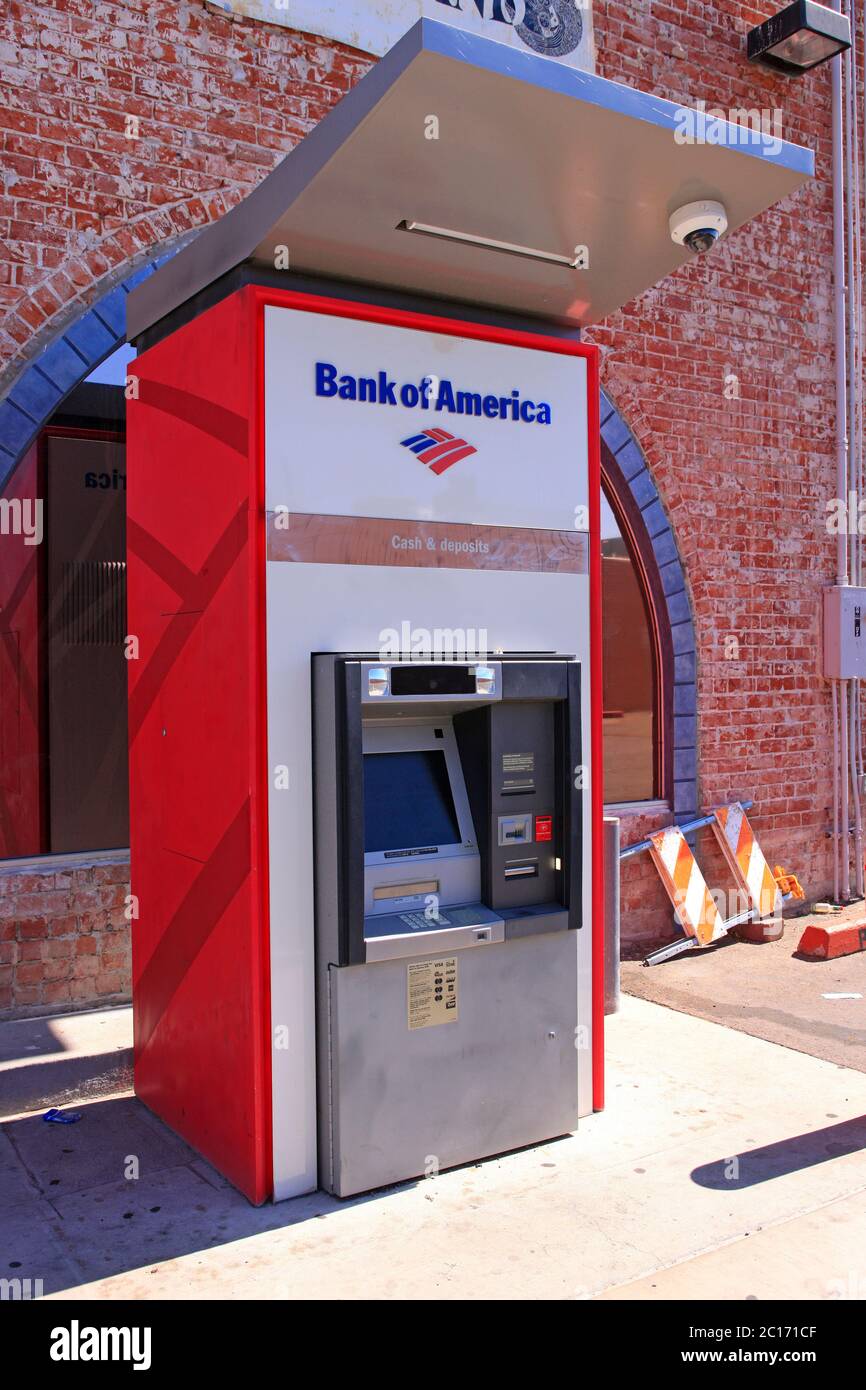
(521, 868)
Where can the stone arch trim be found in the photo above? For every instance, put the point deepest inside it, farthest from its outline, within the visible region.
(100, 329)
(68, 339)
(626, 470)
(59, 295)
(58, 369)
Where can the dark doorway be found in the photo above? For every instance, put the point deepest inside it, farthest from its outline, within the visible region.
(63, 724)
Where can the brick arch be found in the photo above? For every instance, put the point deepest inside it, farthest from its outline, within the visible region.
(48, 304)
(627, 474)
(100, 329)
(67, 346)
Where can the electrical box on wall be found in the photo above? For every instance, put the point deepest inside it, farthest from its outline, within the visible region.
(844, 632)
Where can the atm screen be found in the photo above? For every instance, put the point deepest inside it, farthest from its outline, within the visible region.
(408, 802)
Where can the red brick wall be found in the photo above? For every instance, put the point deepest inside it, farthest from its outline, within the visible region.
(218, 104)
(744, 481)
(64, 939)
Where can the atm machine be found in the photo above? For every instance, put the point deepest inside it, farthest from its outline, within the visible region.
(364, 738)
(363, 515)
(446, 946)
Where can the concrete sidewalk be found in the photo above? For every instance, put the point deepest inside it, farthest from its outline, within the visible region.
(66, 1058)
(768, 990)
(725, 1166)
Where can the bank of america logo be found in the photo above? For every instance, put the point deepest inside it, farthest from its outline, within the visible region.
(438, 449)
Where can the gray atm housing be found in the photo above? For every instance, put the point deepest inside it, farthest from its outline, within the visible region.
(396, 1102)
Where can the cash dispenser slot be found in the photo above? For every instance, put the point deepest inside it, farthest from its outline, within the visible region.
(522, 868)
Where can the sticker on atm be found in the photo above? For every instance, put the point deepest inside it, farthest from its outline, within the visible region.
(518, 772)
(431, 992)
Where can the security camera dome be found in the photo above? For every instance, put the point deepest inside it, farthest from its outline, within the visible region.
(698, 225)
(702, 239)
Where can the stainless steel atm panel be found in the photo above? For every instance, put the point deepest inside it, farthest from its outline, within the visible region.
(448, 833)
(406, 1102)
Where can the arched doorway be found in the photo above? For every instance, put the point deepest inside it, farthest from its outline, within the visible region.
(69, 360)
(650, 691)
(650, 694)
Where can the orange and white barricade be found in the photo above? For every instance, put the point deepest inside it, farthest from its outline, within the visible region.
(765, 890)
(746, 861)
(686, 887)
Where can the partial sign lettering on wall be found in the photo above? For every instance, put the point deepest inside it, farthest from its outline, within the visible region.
(559, 29)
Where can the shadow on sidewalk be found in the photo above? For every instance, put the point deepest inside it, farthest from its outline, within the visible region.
(120, 1191)
(792, 1155)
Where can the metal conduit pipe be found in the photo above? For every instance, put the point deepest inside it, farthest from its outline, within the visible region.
(860, 311)
(855, 736)
(858, 824)
(845, 837)
(852, 189)
(835, 791)
(850, 496)
(857, 15)
(857, 472)
(840, 724)
(839, 307)
(858, 50)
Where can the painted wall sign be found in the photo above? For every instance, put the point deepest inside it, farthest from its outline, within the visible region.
(560, 29)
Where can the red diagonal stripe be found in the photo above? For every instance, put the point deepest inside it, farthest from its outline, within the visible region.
(197, 594)
(227, 426)
(430, 455)
(455, 457)
(201, 911)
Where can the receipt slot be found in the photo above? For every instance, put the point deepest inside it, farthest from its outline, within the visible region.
(448, 901)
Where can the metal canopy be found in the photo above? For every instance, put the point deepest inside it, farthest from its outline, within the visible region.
(528, 152)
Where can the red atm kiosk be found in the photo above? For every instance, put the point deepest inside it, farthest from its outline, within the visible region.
(363, 545)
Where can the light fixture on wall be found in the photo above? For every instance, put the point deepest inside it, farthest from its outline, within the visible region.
(800, 37)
